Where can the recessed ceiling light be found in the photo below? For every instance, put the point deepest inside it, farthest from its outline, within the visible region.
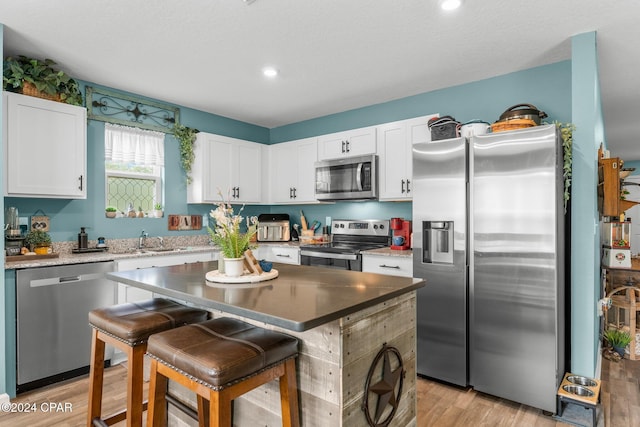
(269, 72)
(450, 4)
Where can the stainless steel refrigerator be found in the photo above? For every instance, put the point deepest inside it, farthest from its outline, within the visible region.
(488, 239)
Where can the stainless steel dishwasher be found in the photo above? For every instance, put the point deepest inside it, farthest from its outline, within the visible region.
(53, 333)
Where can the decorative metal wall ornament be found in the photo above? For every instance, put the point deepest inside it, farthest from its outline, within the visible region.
(388, 389)
(113, 107)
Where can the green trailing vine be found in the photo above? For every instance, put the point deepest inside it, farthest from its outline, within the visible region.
(186, 136)
(566, 133)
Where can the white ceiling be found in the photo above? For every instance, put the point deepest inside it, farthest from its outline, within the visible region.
(333, 55)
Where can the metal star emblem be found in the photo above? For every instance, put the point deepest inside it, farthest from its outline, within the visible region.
(386, 388)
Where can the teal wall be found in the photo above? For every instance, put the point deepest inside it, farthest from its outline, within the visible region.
(585, 244)
(68, 215)
(547, 87)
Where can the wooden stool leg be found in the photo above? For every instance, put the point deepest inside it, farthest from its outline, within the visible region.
(96, 376)
(156, 412)
(135, 379)
(203, 412)
(289, 395)
(219, 409)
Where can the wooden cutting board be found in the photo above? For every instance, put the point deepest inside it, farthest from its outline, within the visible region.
(10, 258)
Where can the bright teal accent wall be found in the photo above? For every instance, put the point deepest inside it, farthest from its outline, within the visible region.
(585, 244)
(547, 87)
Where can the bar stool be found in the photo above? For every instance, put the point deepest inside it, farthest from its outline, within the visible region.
(220, 360)
(127, 327)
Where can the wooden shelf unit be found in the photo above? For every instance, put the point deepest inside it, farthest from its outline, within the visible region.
(609, 188)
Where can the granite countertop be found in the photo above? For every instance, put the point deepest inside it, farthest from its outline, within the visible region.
(300, 298)
(72, 258)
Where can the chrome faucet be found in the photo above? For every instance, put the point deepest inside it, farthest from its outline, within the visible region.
(142, 240)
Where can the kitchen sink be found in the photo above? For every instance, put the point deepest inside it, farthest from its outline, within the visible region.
(162, 250)
(149, 250)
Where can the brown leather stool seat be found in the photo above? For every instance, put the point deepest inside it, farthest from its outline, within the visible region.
(220, 360)
(128, 327)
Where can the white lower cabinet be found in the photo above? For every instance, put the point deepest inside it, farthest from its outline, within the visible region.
(285, 255)
(389, 265)
(128, 293)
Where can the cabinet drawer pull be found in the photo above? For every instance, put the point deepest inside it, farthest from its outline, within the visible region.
(283, 255)
(408, 189)
(80, 178)
(402, 186)
(397, 267)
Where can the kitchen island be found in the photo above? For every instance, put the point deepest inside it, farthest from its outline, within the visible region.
(342, 318)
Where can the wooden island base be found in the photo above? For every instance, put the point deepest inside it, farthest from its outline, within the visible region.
(334, 362)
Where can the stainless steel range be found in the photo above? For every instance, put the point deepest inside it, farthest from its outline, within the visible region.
(349, 239)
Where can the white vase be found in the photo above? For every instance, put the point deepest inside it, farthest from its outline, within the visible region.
(234, 267)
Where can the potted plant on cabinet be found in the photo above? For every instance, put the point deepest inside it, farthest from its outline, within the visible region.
(157, 210)
(38, 241)
(619, 340)
(110, 212)
(38, 78)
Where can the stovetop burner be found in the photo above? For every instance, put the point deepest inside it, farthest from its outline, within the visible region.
(354, 236)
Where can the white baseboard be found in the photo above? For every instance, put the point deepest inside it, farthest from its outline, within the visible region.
(4, 398)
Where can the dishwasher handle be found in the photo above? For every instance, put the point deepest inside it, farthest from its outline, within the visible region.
(50, 281)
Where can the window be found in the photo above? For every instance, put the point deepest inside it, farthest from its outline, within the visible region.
(134, 167)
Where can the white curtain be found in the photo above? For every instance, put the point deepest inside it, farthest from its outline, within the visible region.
(126, 144)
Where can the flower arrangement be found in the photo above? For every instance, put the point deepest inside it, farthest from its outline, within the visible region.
(226, 232)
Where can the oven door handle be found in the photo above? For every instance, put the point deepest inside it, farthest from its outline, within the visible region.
(350, 257)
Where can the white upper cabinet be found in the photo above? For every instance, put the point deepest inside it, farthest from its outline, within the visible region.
(45, 146)
(292, 171)
(395, 157)
(356, 142)
(227, 165)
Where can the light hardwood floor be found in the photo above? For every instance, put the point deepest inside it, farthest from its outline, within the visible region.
(439, 405)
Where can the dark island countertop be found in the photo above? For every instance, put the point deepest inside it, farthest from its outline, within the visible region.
(300, 298)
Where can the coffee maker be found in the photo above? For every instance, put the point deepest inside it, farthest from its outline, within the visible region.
(13, 238)
(400, 234)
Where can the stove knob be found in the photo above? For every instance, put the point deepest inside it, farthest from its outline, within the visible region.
(375, 226)
(381, 226)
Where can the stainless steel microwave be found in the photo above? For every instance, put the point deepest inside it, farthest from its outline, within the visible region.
(351, 178)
